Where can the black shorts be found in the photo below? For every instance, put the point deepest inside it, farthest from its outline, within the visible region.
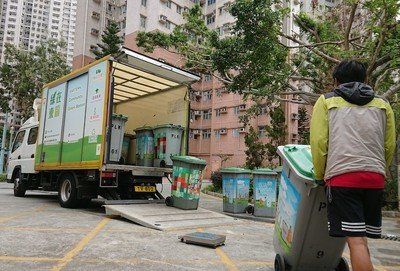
(354, 212)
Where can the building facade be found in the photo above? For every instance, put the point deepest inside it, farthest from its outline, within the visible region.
(216, 133)
(26, 23)
(93, 18)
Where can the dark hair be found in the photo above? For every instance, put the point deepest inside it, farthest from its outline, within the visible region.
(350, 71)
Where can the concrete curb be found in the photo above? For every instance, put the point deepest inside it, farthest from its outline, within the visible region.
(392, 214)
(243, 215)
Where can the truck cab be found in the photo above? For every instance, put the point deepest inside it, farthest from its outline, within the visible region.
(21, 161)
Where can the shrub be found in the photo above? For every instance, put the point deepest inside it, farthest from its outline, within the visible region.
(3, 177)
(216, 179)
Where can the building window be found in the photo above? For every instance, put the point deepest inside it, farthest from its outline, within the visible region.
(142, 21)
(207, 95)
(236, 110)
(207, 77)
(178, 9)
(168, 24)
(144, 3)
(235, 132)
(210, 2)
(210, 19)
(206, 133)
(207, 114)
(218, 113)
(168, 4)
(262, 132)
(217, 134)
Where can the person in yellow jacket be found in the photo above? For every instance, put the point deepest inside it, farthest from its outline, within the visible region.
(352, 138)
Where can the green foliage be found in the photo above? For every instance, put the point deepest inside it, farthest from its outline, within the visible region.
(24, 73)
(372, 35)
(216, 179)
(111, 42)
(276, 133)
(255, 152)
(3, 177)
(303, 124)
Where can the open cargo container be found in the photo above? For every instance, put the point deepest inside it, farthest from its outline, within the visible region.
(72, 153)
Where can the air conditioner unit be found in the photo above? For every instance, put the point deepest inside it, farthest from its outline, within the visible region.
(197, 113)
(222, 131)
(94, 32)
(294, 116)
(196, 132)
(162, 19)
(197, 93)
(223, 110)
(96, 15)
(242, 130)
(242, 107)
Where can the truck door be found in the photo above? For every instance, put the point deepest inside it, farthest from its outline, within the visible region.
(16, 152)
(28, 154)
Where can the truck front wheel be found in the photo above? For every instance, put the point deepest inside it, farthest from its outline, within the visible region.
(19, 187)
(67, 192)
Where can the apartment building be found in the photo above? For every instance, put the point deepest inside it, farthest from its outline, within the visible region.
(216, 134)
(25, 23)
(92, 19)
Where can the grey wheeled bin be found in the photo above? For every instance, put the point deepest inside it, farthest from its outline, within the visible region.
(264, 192)
(144, 146)
(186, 182)
(117, 136)
(235, 189)
(301, 239)
(167, 143)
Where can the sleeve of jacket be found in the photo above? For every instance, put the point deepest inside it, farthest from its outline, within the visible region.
(319, 137)
(390, 136)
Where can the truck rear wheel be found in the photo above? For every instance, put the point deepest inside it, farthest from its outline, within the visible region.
(19, 187)
(67, 192)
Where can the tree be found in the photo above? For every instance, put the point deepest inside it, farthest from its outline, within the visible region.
(255, 149)
(250, 61)
(303, 124)
(24, 73)
(111, 42)
(365, 30)
(276, 133)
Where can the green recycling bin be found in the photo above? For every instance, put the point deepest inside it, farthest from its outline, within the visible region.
(301, 238)
(264, 192)
(167, 143)
(186, 183)
(144, 146)
(235, 189)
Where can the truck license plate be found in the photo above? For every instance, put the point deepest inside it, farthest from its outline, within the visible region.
(145, 188)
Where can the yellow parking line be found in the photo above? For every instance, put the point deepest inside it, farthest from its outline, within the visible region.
(28, 259)
(226, 260)
(78, 248)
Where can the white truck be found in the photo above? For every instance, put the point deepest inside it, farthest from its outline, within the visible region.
(67, 146)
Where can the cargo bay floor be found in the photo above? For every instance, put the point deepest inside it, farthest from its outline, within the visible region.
(37, 234)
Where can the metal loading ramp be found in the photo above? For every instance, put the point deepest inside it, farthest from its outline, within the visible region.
(164, 218)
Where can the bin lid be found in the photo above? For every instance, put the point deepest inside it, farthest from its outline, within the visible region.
(173, 126)
(143, 128)
(189, 160)
(236, 170)
(264, 171)
(300, 158)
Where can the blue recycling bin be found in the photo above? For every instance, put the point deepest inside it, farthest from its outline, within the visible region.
(264, 192)
(235, 189)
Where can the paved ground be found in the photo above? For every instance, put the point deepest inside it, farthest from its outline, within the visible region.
(37, 234)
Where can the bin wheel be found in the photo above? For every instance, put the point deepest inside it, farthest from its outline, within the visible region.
(279, 264)
(169, 201)
(250, 209)
(343, 265)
